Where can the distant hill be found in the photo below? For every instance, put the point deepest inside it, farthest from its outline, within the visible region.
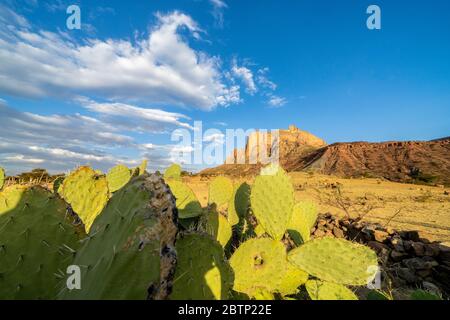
(408, 161)
(401, 161)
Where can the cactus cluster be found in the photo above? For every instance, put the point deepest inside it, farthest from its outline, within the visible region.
(129, 251)
(250, 222)
(136, 235)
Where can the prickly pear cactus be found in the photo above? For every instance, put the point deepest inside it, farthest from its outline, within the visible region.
(57, 184)
(259, 231)
(143, 167)
(304, 216)
(173, 173)
(218, 227)
(220, 191)
(258, 264)
(87, 193)
(37, 243)
(239, 204)
(130, 253)
(187, 203)
(2, 177)
(117, 177)
(272, 200)
(336, 260)
(202, 272)
(263, 294)
(293, 278)
(322, 290)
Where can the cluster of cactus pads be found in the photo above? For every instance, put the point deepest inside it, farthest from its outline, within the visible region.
(118, 230)
(253, 242)
(135, 235)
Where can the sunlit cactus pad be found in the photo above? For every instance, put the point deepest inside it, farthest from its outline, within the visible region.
(272, 200)
(336, 260)
(220, 191)
(322, 290)
(218, 227)
(173, 173)
(258, 264)
(130, 253)
(239, 204)
(202, 272)
(87, 193)
(117, 177)
(187, 203)
(304, 216)
(293, 278)
(37, 243)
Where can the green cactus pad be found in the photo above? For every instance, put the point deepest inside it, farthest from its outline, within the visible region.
(173, 173)
(118, 177)
(239, 204)
(87, 193)
(143, 167)
(220, 191)
(258, 263)
(336, 260)
(187, 203)
(262, 294)
(2, 177)
(259, 231)
(378, 295)
(293, 278)
(37, 243)
(202, 272)
(57, 184)
(272, 200)
(218, 227)
(304, 216)
(322, 290)
(130, 253)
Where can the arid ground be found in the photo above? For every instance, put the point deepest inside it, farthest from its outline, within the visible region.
(397, 205)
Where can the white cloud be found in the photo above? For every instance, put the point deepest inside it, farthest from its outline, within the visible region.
(62, 142)
(264, 81)
(218, 7)
(216, 138)
(135, 118)
(276, 101)
(246, 76)
(161, 68)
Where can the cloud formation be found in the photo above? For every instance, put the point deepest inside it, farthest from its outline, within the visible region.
(161, 68)
(61, 142)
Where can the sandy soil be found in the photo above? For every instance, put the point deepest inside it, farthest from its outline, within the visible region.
(400, 206)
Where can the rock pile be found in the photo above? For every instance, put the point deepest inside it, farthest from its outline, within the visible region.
(406, 260)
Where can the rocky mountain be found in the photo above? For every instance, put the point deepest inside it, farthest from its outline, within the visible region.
(405, 161)
(402, 161)
(262, 147)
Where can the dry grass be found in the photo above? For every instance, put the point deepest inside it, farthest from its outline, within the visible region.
(400, 206)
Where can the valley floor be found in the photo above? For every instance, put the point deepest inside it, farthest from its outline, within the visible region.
(399, 206)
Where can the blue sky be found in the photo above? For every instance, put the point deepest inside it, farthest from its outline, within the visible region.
(115, 90)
